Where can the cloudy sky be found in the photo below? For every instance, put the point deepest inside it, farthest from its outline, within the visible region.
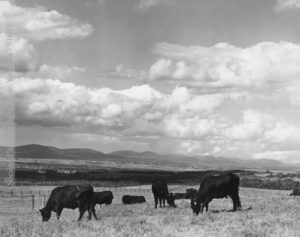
(209, 77)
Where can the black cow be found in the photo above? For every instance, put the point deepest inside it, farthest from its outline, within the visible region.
(219, 186)
(128, 199)
(161, 193)
(179, 196)
(296, 190)
(104, 197)
(69, 196)
(190, 193)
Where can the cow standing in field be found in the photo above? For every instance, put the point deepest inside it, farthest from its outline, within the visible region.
(219, 186)
(69, 196)
(104, 197)
(161, 193)
(128, 199)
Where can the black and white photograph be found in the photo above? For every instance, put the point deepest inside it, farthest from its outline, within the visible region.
(150, 118)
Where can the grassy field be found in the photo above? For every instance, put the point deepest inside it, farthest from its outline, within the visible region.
(272, 213)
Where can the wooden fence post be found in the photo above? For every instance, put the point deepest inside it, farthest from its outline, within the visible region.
(32, 202)
(11, 193)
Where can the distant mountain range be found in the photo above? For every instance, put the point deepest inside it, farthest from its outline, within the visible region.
(38, 152)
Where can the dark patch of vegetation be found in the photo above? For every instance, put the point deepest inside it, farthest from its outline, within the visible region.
(123, 177)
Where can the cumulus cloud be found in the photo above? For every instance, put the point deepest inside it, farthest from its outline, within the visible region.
(143, 5)
(139, 110)
(60, 72)
(224, 65)
(183, 120)
(254, 125)
(284, 134)
(19, 55)
(282, 5)
(16, 54)
(40, 24)
(120, 71)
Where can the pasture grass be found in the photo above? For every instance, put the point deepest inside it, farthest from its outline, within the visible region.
(266, 213)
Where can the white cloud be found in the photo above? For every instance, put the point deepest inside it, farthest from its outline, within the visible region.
(138, 110)
(224, 65)
(253, 126)
(143, 5)
(190, 147)
(59, 72)
(40, 24)
(284, 134)
(16, 54)
(282, 5)
(120, 71)
(188, 128)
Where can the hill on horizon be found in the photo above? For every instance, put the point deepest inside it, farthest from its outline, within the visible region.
(35, 151)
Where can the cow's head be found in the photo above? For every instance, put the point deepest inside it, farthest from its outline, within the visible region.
(171, 200)
(195, 205)
(45, 214)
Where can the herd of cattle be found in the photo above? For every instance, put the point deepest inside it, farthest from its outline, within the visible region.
(85, 199)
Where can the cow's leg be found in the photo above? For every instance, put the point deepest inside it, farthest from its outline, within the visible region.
(237, 201)
(233, 202)
(81, 212)
(89, 208)
(82, 209)
(160, 199)
(164, 202)
(58, 213)
(202, 206)
(155, 201)
(206, 206)
(94, 212)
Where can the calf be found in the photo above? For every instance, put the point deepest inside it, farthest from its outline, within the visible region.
(219, 186)
(128, 199)
(161, 193)
(69, 196)
(190, 193)
(104, 197)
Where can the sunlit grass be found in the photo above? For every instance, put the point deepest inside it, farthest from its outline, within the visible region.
(273, 213)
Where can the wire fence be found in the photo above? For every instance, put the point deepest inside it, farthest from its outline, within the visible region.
(19, 200)
(12, 201)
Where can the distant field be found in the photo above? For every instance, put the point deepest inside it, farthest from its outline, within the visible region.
(273, 213)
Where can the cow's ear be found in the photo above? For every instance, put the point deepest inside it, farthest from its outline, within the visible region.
(41, 210)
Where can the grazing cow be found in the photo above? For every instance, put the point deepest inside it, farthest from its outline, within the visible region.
(69, 196)
(219, 186)
(179, 196)
(190, 193)
(296, 190)
(128, 199)
(104, 197)
(161, 193)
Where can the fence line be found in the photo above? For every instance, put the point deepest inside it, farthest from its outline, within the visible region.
(35, 199)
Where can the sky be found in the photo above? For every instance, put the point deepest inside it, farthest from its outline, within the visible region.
(209, 77)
